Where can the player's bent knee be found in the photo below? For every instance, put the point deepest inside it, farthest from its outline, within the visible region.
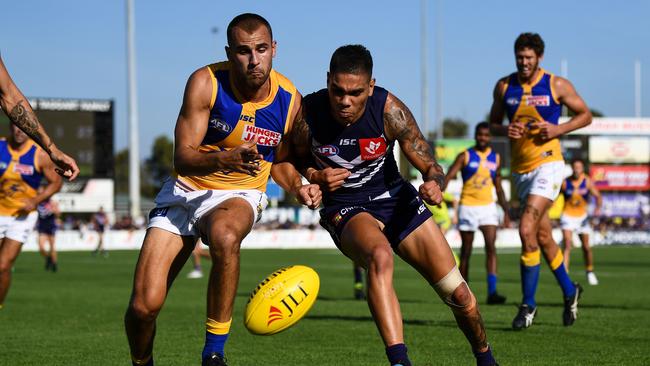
(226, 244)
(453, 290)
(142, 311)
(380, 260)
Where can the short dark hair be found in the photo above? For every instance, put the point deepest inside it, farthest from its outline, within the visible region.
(576, 159)
(351, 59)
(530, 40)
(481, 125)
(249, 22)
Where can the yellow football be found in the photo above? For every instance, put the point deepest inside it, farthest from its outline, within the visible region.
(283, 298)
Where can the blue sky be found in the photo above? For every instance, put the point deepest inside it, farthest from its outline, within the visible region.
(76, 49)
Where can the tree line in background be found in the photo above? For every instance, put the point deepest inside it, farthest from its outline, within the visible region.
(158, 166)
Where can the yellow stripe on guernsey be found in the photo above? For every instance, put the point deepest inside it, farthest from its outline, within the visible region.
(530, 259)
(530, 103)
(20, 176)
(231, 123)
(478, 172)
(576, 196)
(216, 327)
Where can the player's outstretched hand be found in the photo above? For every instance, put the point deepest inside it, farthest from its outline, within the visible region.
(310, 195)
(242, 159)
(65, 165)
(431, 193)
(516, 130)
(547, 130)
(330, 179)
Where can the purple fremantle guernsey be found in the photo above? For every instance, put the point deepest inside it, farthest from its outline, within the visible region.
(360, 147)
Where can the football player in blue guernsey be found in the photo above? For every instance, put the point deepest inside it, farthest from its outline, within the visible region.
(480, 168)
(368, 208)
(228, 134)
(532, 99)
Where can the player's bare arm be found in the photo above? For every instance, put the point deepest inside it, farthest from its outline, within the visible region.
(20, 113)
(191, 127)
(453, 170)
(501, 196)
(53, 185)
(567, 95)
(290, 156)
(599, 198)
(400, 126)
(514, 129)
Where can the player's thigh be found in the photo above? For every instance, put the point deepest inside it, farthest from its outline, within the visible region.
(489, 235)
(362, 238)
(229, 222)
(9, 250)
(162, 255)
(534, 210)
(427, 250)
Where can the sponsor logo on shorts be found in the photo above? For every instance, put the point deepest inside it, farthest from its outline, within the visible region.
(264, 137)
(421, 209)
(372, 148)
(337, 218)
(24, 169)
(327, 150)
(542, 181)
(345, 210)
(158, 212)
(538, 100)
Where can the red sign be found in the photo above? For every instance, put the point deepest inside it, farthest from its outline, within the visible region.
(372, 148)
(624, 177)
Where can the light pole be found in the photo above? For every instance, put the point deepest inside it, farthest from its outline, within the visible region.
(134, 151)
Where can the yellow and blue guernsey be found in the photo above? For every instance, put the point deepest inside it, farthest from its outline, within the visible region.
(529, 103)
(20, 176)
(576, 196)
(478, 172)
(231, 123)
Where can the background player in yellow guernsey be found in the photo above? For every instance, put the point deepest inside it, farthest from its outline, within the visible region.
(532, 99)
(23, 165)
(229, 132)
(480, 168)
(577, 189)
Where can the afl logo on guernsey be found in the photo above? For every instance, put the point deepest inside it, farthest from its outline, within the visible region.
(372, 148)
(264, 137)
(327, 150)
(220, 125)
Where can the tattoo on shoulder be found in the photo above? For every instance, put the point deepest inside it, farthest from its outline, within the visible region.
(401, 126)
(300, 130)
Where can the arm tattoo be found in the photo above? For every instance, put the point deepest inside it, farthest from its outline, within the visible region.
(400, 125)
(300, 143)
(26, 120)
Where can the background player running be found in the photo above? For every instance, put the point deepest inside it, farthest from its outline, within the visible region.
(368, 208)
(577, 189)
(23, 165)
(48, 213)
(532, 99)
(480, 169)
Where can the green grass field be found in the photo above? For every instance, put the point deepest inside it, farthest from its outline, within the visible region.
(74, 317)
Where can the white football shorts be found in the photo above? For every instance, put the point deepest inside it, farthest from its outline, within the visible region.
(577, 224)
(178, 210)
(18, 228)
(471, 217)
(545, 180)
